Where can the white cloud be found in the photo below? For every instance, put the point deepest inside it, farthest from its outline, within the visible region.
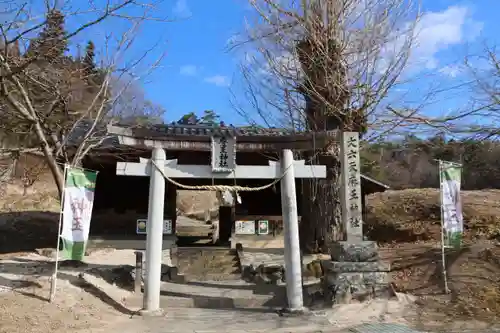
(451, 70)
(438, 31)
(188, 70)
(434, 32)
(218, 80)
(181, 8)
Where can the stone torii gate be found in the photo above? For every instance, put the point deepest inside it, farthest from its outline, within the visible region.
(223, 166)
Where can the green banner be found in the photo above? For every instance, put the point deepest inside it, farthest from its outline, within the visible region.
(77, 211)
(451, 205)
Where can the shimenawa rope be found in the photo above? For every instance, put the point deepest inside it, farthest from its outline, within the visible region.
(232, 188)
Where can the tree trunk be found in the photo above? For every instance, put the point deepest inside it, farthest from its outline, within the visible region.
(51, 159)
(326, 96)
(320, 224)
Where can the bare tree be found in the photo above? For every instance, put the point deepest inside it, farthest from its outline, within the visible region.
(484, 72)
(327, 65)
(62, 103)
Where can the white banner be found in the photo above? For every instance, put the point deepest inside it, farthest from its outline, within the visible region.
(451, 205)
(77, 212)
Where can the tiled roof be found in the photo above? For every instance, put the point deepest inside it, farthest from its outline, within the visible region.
(206, 130)
(197, 130)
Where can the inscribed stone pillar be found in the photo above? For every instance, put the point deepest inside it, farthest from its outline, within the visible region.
(352, 209)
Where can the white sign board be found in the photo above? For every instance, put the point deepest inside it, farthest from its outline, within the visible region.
(141, 227)
(244, 228)
(223, 154)
(263, 227)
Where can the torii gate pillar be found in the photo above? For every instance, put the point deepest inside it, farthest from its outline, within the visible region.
(154, 233)
(293, 266)
(288, 168)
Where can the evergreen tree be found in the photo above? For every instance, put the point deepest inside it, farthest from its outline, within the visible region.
(51, 43)
(209, 118)
(89, 59)
(189, 119)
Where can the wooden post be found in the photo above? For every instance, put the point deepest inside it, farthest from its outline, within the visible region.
(293, 269)
(138, 271)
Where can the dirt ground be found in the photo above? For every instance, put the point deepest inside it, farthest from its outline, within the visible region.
(473, 276)
(405, 223)
(407, 226)
(24, 307)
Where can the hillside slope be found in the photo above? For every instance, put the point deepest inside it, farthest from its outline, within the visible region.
(415, 215)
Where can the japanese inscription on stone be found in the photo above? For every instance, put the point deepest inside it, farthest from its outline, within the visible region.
(351, 186)
(223, 154)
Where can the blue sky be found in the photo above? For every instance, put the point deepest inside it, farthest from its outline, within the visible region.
(198, 72)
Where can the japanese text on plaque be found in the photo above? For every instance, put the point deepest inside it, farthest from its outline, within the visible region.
(223, 156)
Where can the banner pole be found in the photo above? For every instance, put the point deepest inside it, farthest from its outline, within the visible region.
(53, 282)
(443, 254)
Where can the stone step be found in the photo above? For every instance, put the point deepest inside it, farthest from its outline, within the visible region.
(346, 266)
(355, 252)
(203, 262)
(358, 278)
(361, 293)
(217, 295)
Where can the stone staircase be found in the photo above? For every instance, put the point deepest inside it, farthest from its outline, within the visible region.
(206, 263)
(209, 277)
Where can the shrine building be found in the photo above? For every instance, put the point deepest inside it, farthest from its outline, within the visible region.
(199, 155)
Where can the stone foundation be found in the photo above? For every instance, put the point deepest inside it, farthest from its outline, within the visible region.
(267, 266)
(355, 273)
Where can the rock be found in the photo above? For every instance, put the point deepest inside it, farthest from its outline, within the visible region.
(355, 273)
(361, 293)
(122, 276)
(355, 278)
(354, 252)
(342, 288)
(329, 266)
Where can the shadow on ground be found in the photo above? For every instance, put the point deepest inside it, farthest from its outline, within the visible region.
(123, 276)
(70, 271)
(26, 231)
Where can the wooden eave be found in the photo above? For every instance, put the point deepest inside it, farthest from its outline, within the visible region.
(145, 138)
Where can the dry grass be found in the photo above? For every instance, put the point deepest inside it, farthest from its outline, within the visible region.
(473, 281)
(414, 215)
(407, 224)
(41, 197)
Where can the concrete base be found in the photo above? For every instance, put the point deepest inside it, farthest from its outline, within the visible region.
(288, 312)
(259, 241)
(154, 313)
(128, 242)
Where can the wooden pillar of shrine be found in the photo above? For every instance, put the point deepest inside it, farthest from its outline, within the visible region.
(226, 221)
